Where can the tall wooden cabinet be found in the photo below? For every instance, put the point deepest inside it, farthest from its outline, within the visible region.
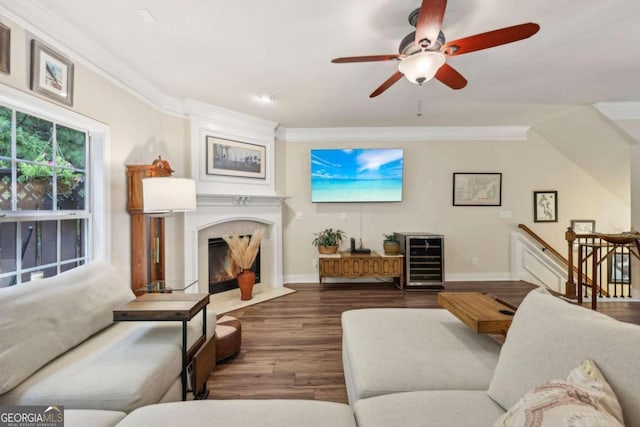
(147, 263)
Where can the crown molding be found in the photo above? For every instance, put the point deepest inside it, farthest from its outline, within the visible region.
(619, 110)
(35, 18)
(396, 134)
(229, 118)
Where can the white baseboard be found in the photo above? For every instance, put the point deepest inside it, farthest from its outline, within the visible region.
(452, 277)
(477, 277)
(300, 278)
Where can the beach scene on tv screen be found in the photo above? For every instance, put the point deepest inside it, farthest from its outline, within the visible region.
(356, 175)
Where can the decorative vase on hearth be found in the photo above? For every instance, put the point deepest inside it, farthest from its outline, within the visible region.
(246, 279)
(243, 252)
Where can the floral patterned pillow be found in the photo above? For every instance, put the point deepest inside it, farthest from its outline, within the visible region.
(585, 399)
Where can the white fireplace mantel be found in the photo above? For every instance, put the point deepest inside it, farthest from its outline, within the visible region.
(239, 200)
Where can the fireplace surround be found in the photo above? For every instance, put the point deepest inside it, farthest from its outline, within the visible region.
(218, 215)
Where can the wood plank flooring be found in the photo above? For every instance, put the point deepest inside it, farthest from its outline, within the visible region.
(291, 346)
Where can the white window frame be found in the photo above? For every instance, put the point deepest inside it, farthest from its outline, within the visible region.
(99, 194)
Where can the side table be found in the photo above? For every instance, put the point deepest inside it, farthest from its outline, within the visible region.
(169, 307)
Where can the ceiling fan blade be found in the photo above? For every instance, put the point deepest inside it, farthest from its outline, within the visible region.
(490, 39)
(429, 22)
(371, 58)
(386, 85)
(450, 77)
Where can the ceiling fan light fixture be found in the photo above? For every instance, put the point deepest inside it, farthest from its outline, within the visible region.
(421, 67)
(266, 98)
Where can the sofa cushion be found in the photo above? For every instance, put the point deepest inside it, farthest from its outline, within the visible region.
(445, 408)
(123, 367)
(549, 337)
(44, 318)
(93, 418)
(243, 413)
(395, 350)
(584, 396)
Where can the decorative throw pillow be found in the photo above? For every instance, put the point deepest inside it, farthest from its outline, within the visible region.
(585, 399)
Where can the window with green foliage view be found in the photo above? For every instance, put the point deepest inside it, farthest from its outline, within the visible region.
(43, 212)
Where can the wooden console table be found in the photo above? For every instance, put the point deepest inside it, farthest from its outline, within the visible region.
(348, 265)
(478, 311)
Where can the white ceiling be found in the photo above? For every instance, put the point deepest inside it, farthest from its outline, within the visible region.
(225, 52)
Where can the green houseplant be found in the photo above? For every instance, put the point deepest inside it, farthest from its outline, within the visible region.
(328, 240)
(391, 244)
(40, 175)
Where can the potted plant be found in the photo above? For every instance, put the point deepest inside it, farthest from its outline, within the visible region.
(40, 175)
(243, 252)
(328, 240)
(391, 244)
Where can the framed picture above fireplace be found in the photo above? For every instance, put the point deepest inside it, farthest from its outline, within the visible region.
(235, 158)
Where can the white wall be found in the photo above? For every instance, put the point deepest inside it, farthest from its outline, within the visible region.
(139, 133)
(469, 232)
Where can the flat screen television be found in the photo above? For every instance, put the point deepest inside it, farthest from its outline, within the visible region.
(356, 175)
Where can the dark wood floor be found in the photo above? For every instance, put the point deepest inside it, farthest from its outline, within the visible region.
(291, 346)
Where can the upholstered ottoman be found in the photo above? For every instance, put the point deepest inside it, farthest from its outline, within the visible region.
(228, 337)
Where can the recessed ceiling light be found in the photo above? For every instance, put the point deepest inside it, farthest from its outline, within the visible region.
(146, 16)
(266, 97)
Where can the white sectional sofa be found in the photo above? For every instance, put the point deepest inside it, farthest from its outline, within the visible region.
(547, 340)
(394, 350)
(422, 367)
(60, 345)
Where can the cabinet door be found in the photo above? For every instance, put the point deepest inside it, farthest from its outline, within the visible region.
(425, 260)
(391, 267)
(329, 267)
(351, 267)
(370, 266)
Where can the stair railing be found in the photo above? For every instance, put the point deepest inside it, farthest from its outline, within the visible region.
(570, 288)
(607, 257)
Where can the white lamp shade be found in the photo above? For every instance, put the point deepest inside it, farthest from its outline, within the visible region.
(421, 67)
(166, 194)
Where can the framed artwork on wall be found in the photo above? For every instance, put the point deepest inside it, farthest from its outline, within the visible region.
(51, 73)
(5, 49)
(583, 226)
(477, 189)
(545, 206)
(235, 158)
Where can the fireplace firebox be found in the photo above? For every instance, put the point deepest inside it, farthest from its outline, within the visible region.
(223, 270)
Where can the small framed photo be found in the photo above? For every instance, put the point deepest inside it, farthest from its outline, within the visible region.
(5, 49)
(235, 158)
(477, 189)
(51, 73)
(619, 268)
(583, 226)
(545, 206)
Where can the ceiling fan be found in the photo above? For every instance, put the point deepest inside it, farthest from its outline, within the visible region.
(423, 53)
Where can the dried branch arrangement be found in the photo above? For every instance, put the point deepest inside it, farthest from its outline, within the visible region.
(244, 249)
